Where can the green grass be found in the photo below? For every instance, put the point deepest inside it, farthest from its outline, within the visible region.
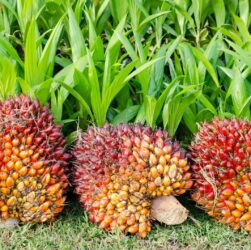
(73, 231)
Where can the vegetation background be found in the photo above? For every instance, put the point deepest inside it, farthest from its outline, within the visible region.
(167, 63)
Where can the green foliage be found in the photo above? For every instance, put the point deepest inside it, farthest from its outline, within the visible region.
(7, 79)
(165, 63)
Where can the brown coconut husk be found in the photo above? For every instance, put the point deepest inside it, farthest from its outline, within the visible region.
(168, 210)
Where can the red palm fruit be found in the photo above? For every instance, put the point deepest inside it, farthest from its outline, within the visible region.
(119, 169)
(222, 174)
(30, 145)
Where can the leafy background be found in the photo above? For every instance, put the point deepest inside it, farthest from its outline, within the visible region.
(170, 63)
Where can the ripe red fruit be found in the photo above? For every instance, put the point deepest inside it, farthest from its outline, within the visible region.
(222, 173)
(31, 145)
(119, 169)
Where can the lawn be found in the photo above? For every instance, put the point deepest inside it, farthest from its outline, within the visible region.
(73, 231)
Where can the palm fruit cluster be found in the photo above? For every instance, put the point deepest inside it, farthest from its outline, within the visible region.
(222, 171)
(32, 162)
(120, 169)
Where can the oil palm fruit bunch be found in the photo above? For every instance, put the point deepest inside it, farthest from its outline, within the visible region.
(222, 171)
(32, 162)
(120, 169)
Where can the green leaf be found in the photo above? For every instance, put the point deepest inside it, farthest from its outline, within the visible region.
(183, 12)
(82, 85)
(190, 120)
(150, 106)
(152, 17)
(30, 67)
(231, 33)
(92, 32)
(142, 53)
(95, 92)
(197, 12)
(244, 11)
(118, 9)
(47, 60)
(242, 28)
(7, 79)
(119, 29)
(245, 109)
(140, 118)
(228, 72)
(173, 47)
(204, 100)
(78, 9)
(25, 87)
(72, 137)
(238, 92)
(107, 71)
(219, 11)
(126, 115)
(67, 74)
(241, 54)
(43, 91)
(102, 8)
(76, 37)
(128, 46)
(116, 86)
(98, 50)
(204, 115)
(157, 74)
(57, 106)
(7, 49)
(154, 106)
(78, 97)
(174, 109)
(207, 64)
(142, 68)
